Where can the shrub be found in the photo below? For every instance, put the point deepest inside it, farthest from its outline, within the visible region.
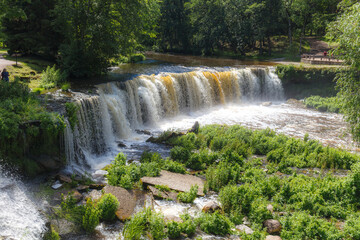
(174, 167)
(352, 227)
(180, 154)
(52, 77)
(188, 226)
(215, 224)
(107, 206)
(188, 197)
(91, 217)
(52, 235)
(173, 230)
(146, 223)
(220, 175)
(331, 104)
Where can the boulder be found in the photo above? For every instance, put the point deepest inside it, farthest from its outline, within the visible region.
(76, 195)
(195, 128)
(57, 185)
(99, 176)
(146, 132)
(266, 104)
(165, 137)
(94, 195)
(82, 188)
(126, 200)
(272, 237)
(97, 186)
(49, 163)
(162, 194)
(211, 207)
(121, 144)
(270, 208)
(244, 228)
(63, 178)
(272, 226)
(246, 221)
(176, 181)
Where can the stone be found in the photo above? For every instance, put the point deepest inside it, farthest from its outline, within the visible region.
(63, 226)
(99, 176)
(121, 144)
(244, 228)
(195, 128)
(246, 221)
(266, 104)
(76, 195)
(270, 208)
(57, 185)
(49, 163)
(146, 132)
(176, 181)
(95, 195)
(64, 178)
(272, 226)
(96, 186)
(272, 237)
(126, 200)
(211, 207)
(162, 194)
(82, 188)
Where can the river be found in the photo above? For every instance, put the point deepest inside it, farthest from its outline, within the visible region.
(165, 93)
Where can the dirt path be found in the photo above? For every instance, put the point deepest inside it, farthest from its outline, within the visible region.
(5, 63)
(317, 47)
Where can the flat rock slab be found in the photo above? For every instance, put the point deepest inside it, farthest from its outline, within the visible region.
(176, 181)
(126, 199)
(163, 195)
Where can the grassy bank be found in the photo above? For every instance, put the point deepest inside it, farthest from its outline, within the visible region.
(300, 82)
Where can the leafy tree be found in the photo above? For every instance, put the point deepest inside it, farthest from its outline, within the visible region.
(347, 36)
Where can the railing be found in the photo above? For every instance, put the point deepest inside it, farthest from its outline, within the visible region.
(318, 59)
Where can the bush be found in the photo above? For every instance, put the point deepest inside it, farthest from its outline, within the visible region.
(180, 154)
(331, 104)
(138, 57)
(188, 226)
(52, 77)
(91, 217)
(52, 235)
(174, 167)
(144, 224)
(173, 230)
(107, 206)
(218, 176)
(188, 197)
(215, 224)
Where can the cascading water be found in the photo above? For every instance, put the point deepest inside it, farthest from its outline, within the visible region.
(122, 107)
(19, 217)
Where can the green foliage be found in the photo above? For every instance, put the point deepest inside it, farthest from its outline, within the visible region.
(180, 154)
(91, 216)
(51, 235)
(52, 77)
(173, 230)
(215, 223)
(26, 128)
(323, 104)
(107, 206)
(71, 113)
(303, 226)
(188, 197)
(352, 227)
(146, 223)
(188, 226)
(220, 175)
(138, 57)
(174, 167)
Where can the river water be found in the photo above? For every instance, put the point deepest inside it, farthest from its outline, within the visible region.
(168, 93)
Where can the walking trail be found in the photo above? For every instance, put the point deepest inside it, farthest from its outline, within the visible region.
(5, 63)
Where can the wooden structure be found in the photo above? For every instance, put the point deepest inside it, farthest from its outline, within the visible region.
(318, 59)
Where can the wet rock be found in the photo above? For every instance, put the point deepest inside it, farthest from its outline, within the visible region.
(94, 195)
(244, 228)
(121, 144)
(211, 207)
(195, 128)
(165, 137)
(272, 237)
(63, 226)
(49, 163)
(246, 221)
(63, 178)
(76, 195)
(176, 181)
(82, 188)
(266, 104)
(272, 226)
(270, 208)
(57, 185)
(99, 176)
(146, 132)
(126, 199)
(162, 194)
(97, 186)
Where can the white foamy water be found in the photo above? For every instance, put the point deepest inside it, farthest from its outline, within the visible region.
(19, 216)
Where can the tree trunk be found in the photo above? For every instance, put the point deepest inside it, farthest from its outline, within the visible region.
(301, 38)
(290, 32)
(269, 42)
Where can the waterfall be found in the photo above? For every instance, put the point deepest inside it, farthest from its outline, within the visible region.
(122, 107)
(19, 217)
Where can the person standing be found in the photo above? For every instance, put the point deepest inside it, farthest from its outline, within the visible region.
(5, 75)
